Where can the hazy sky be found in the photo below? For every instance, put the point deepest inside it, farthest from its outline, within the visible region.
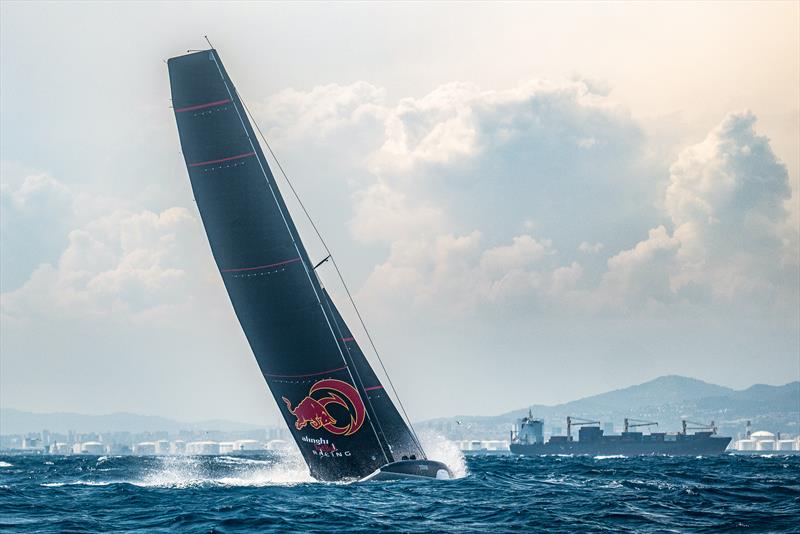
(532, 202)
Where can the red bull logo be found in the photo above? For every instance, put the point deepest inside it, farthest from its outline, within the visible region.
(325, 394)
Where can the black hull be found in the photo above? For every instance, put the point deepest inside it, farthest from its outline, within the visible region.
(411, 469)
(688, 447)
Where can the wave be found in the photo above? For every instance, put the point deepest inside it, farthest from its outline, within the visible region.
(6, 464)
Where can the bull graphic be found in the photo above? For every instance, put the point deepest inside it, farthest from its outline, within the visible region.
(312, 410)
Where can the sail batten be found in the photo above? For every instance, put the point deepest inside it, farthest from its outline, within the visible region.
(343, 422)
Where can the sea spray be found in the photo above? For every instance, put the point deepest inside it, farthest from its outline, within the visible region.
(442, 449)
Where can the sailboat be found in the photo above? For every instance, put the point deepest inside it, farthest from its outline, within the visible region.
(342, 418)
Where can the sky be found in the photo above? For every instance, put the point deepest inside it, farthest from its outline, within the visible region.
(531, 202)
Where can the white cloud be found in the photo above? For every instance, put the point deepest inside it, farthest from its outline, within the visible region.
(459, 273)
(731, 237)
(320, 112)
(125, 264)
(731, 240)
(385, 214)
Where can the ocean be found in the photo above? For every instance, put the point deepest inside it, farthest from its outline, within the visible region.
(272, 492)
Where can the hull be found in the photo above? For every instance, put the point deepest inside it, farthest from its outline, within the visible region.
(411, 469)
(689, 446)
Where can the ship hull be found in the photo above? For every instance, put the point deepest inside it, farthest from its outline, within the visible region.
(686, 447)
(411, 469)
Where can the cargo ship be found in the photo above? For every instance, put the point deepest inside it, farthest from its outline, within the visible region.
(528, 439)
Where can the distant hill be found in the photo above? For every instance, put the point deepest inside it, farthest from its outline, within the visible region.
(666, 399)
(661, 390)
(20, 422)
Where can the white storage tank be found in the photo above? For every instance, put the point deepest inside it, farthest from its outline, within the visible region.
(178, 446)
(162, 447)
(765, 445)
(248, 445)
(93, 447)
(785, 445)
(746, 445)
(226, 446)
(144, 448)
(60, 448)
(202, 447)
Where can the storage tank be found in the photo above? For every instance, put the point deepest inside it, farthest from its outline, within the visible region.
(60, 448)
(202, 447)
(765, 445)
(145, 448)
(162, 447)
(226, 446)
(248, 445)
(785, 445)
(93, 447)
(746, 445)
(495, 445)
(178, 446)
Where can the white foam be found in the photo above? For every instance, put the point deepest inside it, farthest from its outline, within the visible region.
(76, 483)
(5, 464)
(610, 457)
(443, 450)
(182, 472)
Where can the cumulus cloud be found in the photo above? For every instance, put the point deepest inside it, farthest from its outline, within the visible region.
(126, 264)
(323, 111)
(35, 211)
(459, 274)
(460, 184)
(731, 241)
(382, 213)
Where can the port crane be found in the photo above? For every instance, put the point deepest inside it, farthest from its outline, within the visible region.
(698, 426)
(571, 421)
(633, 423)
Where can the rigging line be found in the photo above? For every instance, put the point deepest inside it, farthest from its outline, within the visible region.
(285, 222)
(338, 272)
(329, 303)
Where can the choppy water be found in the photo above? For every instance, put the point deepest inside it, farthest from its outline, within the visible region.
(495, 494)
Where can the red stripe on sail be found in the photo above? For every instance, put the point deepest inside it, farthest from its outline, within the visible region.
(203, 106)
(286, 262)
(345, 339)
(373, 387)
(240, 156)
(310, 374)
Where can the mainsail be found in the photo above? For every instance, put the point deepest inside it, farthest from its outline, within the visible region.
(342, 419)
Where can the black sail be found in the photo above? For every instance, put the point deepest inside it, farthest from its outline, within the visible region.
(390, 425)
(341, 418)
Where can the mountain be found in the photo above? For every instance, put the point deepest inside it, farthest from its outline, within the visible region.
(667, 400)
(20, 422)
(661, 390)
